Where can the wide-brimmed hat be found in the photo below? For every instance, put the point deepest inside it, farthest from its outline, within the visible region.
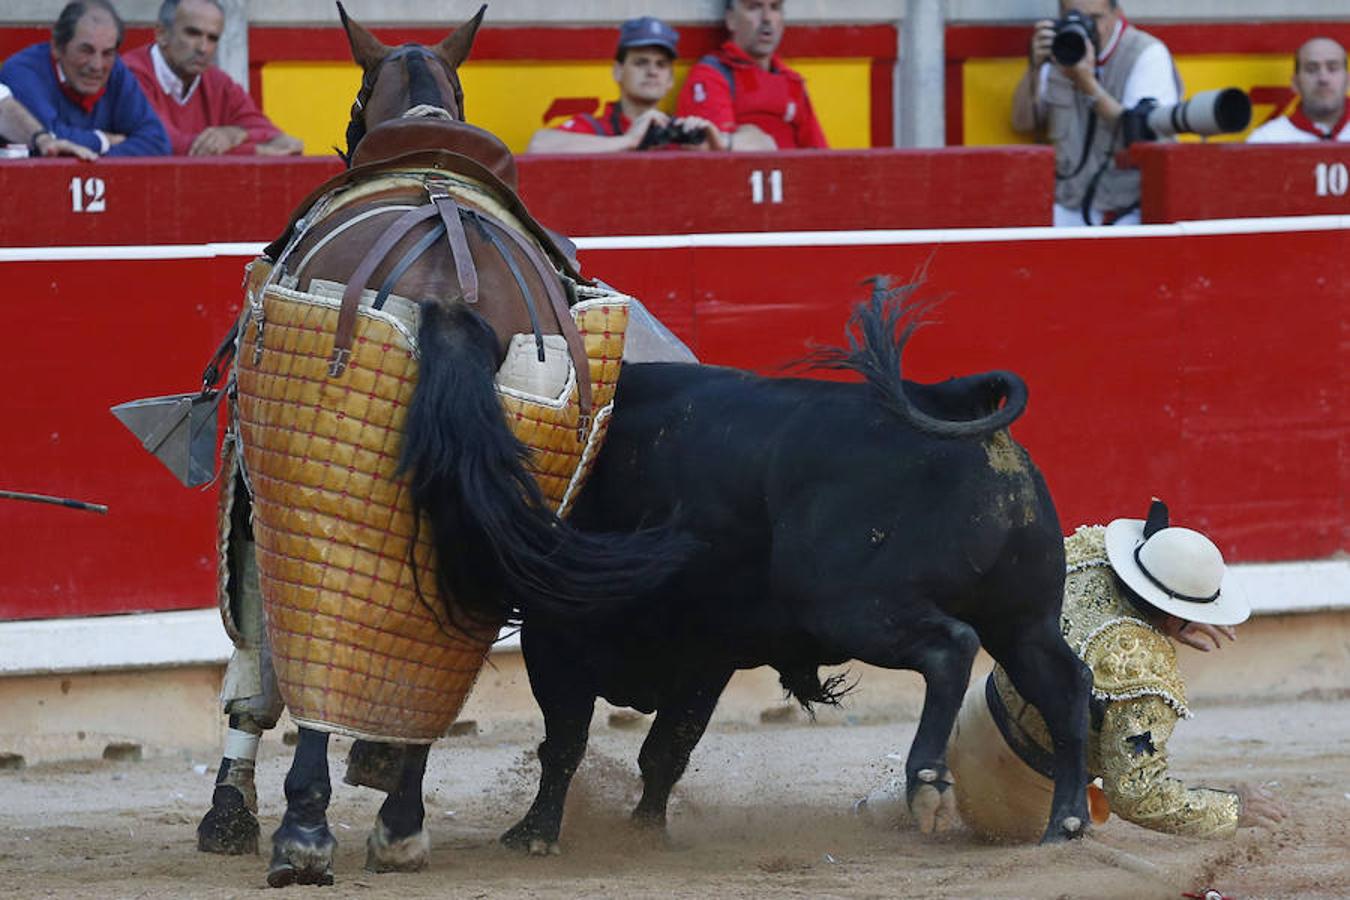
(1175, 569)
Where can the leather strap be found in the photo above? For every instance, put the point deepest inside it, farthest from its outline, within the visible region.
(451, 215)
(558, 300)
(351, 296)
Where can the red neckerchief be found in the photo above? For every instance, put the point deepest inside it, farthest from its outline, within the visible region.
(86, 102)
(1300, 120)
(733, 55)
(1120, 33)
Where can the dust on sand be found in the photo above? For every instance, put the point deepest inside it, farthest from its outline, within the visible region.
(761, 812)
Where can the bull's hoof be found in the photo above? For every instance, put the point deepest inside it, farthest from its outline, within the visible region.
(1070, 828)
(228, 826)
(375, 765)
(301, 854)
(932, 803)
(385, 853)
(527, 836)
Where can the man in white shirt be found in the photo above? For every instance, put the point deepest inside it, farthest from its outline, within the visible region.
(1320, 83)
(1079, 108)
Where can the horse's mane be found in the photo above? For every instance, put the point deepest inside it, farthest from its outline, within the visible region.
(877, 332)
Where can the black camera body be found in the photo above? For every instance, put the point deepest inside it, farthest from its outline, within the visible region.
(671, 133)
(1073, 33)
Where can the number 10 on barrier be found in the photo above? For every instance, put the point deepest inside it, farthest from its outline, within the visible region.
(1332, 179)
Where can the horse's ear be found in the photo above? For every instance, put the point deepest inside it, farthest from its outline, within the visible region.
(455, 48)
(366, 48)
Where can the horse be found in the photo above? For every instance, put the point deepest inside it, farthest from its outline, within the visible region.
(887, 521)
(399, 518)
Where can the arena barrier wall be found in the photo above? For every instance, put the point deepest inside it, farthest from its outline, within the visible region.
(1204, 362)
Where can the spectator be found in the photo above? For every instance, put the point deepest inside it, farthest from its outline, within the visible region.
(746, 90)
(1320, 82)
(1079, 108)
(1132, 588)
(18, 126)
(80, 91)
(642, 69)
(203, 110)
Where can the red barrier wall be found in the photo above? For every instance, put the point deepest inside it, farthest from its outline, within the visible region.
(1213, 181)
(51, 202)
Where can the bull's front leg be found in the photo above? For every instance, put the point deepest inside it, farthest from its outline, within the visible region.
(680, 723)
(567, 722)
(302, 847)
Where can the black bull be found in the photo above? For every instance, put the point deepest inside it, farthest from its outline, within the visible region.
(889, 522)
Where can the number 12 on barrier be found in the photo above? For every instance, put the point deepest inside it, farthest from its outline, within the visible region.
(87, 195)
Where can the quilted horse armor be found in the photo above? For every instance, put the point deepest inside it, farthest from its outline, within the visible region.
(362, 644)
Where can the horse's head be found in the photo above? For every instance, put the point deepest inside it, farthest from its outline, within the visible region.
(412, 80)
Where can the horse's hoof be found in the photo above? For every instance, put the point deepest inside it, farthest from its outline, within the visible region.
(388, 854)
(1071, 828)
(228, 827)
(374, 764)
(301, 854)
(541, 847)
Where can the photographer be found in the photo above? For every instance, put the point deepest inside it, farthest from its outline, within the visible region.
(642, 69)
(1078, 106)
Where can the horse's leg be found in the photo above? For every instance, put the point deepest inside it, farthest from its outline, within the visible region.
(680, 723)
(374, 764)
(302, 847)
(398, 842)
(568, 706)
(1047, 673)
(231, 824)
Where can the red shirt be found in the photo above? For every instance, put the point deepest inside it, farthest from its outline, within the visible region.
(216, 101)
(774, 101)
(610, 123)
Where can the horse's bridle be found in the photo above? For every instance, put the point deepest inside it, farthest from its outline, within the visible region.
(356, 127)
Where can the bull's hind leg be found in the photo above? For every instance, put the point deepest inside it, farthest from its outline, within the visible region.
(942, 649)
(398, 842)
(680, 722)
(302, 847)
(1047, 673)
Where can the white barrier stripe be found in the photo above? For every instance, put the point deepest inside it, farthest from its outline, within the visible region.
(857, 238)
(196, 637)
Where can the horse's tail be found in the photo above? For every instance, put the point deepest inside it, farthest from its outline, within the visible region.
(500, 549)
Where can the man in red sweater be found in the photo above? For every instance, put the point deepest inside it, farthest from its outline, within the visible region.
(745, 89)
(203, 110)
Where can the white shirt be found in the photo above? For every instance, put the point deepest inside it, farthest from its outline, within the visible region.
(5, 92)
(171, 83)
(1282, 131)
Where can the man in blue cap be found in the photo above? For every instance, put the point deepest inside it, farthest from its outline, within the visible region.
(643, 70)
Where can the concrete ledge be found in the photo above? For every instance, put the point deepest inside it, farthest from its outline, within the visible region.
(196, 637)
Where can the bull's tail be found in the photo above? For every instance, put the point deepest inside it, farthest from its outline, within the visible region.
(878, 332)
(500, 549)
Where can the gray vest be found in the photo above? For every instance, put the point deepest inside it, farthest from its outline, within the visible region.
(1069, 115)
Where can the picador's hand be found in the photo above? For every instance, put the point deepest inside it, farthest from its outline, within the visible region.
(1205, 637)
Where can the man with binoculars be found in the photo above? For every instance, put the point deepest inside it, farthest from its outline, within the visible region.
(1085, 71)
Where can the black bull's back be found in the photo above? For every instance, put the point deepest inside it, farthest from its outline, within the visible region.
(830, 529)
(826, 523)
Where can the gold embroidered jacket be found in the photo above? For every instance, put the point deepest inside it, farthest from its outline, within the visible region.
(1139, 694)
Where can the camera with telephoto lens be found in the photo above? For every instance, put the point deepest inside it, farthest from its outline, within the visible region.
(1073, 33)
(1222, 111)
(671, 133)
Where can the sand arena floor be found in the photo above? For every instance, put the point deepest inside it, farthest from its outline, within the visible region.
(763, 811)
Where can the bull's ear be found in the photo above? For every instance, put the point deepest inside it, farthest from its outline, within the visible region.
(366, 48)
(455, 48)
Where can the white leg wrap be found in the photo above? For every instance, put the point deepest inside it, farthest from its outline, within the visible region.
(241, 744)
